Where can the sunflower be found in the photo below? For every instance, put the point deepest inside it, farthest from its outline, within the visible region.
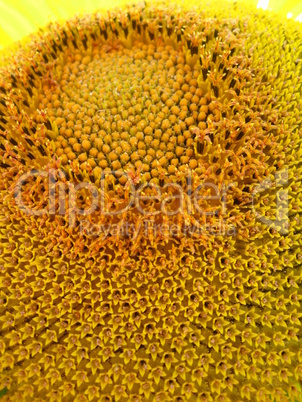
(150, 220)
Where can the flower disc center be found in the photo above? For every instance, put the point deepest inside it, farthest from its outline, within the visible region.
(120, 109)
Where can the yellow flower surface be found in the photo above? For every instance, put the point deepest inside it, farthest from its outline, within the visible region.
(22, 17)
(151, 204)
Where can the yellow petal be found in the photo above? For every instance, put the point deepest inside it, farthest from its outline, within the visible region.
(20, 18)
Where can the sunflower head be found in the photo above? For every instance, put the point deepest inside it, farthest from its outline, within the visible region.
(151, 207)
(122, 103)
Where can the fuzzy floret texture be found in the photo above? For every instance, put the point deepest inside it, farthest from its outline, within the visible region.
(153, 98)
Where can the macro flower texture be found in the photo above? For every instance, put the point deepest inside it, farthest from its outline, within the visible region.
(151, 206)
